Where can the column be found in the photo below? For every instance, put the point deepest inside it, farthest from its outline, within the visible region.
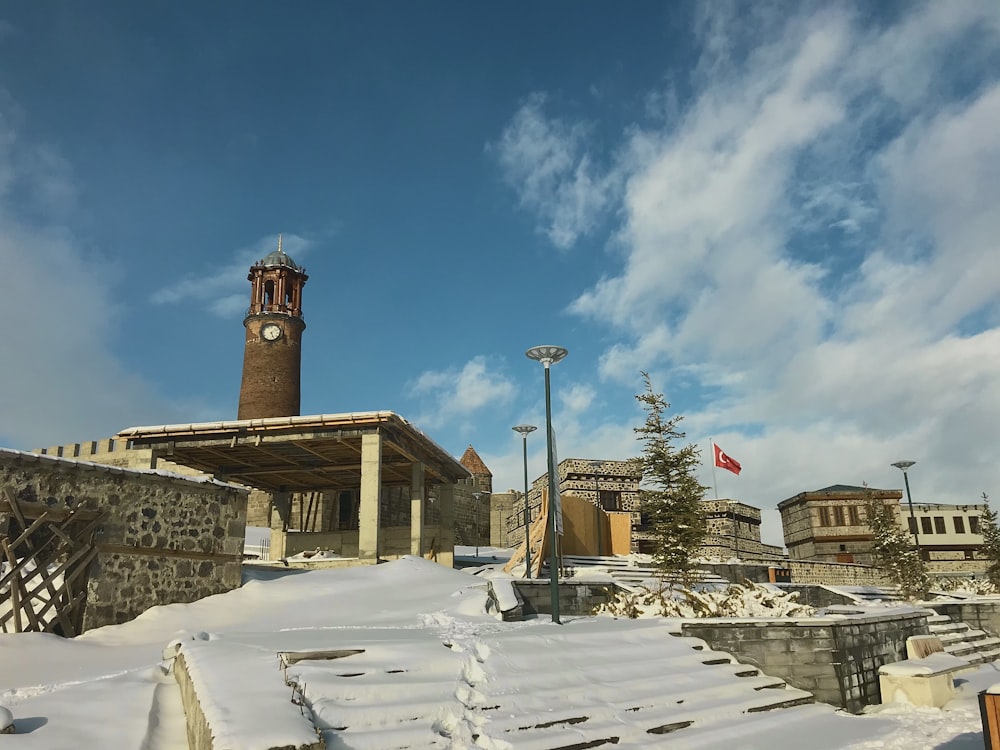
(371, 489)
(446, 532)
(417, 510)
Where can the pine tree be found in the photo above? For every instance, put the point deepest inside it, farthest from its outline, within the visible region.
(893, 550)
(991, 542)
(672, 501)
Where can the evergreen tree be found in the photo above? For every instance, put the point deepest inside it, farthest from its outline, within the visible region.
(893, 550)
(671, 501)
(991, 542)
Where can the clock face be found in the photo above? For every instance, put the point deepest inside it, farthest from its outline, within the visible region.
(271, 332)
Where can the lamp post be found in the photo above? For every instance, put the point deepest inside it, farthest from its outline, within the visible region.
(477, 495)
(903, 466)
(595, 465)
(548, 356)
(525, 430)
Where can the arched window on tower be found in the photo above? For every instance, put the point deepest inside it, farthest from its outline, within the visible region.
(268, 293)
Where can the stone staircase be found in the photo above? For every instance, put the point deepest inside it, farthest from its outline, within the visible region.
(628, 697)
(958, 639)
(601, 682)
(629, 571)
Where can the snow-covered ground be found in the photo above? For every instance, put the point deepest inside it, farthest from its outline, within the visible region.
(105, 689)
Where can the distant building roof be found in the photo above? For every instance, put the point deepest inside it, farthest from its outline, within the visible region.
(834, 490)
(471, 461)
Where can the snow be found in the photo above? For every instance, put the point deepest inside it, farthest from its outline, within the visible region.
(429, 663)
(930, 664)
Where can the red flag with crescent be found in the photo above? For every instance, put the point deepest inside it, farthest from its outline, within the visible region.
(724, 461)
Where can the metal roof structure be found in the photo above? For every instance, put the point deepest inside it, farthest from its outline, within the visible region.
(303, 453)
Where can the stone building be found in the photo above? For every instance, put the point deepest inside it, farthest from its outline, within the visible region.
(829, 525)
(611, 485)
(473, 500)
(112, 541)
(734, 531)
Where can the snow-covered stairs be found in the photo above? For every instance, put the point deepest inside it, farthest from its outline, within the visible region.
(625, 570)
(958, 639)
(608, 691)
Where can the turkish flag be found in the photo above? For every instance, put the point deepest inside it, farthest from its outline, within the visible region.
(726, 462)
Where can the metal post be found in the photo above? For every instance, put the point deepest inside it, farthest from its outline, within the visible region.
(553, 540)
(477, 496)
(903, 466)
(525, 430)
(547, 355)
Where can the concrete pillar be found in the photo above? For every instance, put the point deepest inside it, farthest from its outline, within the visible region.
(417, 510)
(371, 487)
(446, 543)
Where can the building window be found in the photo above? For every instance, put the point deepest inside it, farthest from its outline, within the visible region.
(838, 516)
(925, 525)
(939, 525)
(969, 555)
(912, 523)
(853, 515)
(959, 524)
(610, 500)
(824, 516)
(973, 524)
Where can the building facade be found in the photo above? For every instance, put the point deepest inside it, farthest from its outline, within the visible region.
(829, 525)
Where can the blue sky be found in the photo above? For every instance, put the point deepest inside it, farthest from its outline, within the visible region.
(785, 212)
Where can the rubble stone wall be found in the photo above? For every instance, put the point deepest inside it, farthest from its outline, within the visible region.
(164, 538)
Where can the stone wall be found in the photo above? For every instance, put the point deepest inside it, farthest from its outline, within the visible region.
(164, 538)
(835, 660)
(835, 574)
(578, 599)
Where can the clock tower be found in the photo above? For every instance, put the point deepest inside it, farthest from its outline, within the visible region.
(272, 355)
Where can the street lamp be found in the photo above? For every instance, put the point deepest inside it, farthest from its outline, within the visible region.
(548, 356)
(525, 430)
(595, 465)
(477, 495)
(903, 466)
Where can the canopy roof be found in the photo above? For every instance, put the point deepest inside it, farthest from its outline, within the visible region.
(299, 453)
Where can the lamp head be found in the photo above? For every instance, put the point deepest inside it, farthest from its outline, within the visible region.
(524, 429)
(546, 354)
(904, 465)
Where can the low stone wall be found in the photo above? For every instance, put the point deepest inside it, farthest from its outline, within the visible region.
(836, 660)
(163, 538)
(835, 574)
(980, 614)
(740, 573)
(574, 598)
(815, 595)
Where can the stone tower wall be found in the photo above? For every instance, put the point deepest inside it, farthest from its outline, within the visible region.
(271, 369)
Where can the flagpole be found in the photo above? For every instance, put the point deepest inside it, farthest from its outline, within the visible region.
(711, 449)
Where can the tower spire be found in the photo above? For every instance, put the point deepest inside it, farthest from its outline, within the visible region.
(279, 243)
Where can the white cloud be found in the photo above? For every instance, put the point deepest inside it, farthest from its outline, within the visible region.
(543, 160)
(457, 394)
(872, 141)
(63, 320)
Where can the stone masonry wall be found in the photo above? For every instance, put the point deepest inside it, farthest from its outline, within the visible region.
(164, 538)
(835, 660)
(577, 599)
(835, 574)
